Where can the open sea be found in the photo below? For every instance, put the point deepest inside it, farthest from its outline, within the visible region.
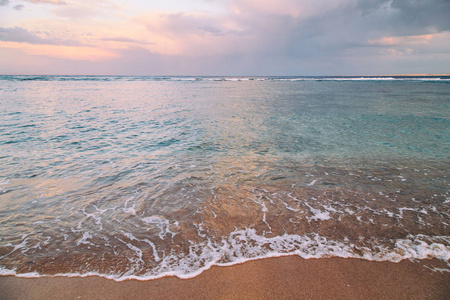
(143, 177)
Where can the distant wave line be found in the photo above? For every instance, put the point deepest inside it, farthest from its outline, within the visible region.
(218, 78)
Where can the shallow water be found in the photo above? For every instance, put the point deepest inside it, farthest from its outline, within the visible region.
(148, 176)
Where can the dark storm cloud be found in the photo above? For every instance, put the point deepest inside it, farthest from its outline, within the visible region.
(332, 32)
(422, 16)
(407, 17)
(18, 7)
(4, 2)
(368, 6)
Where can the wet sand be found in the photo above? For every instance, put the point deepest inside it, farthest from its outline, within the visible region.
(273, 278)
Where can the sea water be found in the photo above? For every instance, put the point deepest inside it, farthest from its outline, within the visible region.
(142, 177)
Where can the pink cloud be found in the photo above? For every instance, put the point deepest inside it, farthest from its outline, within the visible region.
(402, 40)
(64, 52)
(55, 2)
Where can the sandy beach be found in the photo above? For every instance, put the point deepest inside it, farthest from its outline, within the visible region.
(273, 278)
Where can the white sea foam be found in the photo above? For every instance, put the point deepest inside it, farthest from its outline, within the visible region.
(85, 238)
(220, 78)
(246, 245)
(312, 182)
(161, 223)
(361, 78)
(130, 210)
(16, 247)
(91, 210)
(318, 215)
(290, 208)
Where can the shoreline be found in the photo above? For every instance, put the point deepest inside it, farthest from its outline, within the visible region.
(280, 277)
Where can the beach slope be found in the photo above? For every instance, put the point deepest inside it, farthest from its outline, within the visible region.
(273, 278)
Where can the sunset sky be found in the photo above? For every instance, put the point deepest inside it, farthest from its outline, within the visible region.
(224, 37)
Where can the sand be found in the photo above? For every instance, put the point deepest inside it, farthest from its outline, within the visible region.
(274, 278)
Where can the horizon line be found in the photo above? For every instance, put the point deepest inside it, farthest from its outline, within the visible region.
(107, 75)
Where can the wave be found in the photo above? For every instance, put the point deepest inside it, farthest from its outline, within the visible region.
(246, 245)
(218, 78)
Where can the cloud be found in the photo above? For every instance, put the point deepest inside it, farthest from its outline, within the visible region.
(87, 9)
(403, 40)
(413, 45)
(4, 2)
(18, 7)
(370, 6)
(21, 35)
(127, 40)
(268, 37)
(42, 44)
(62, 52)
(263, 37)
(298, 9)
(55, 2)
(75, 12)
(312, 29)
(197, 33)
(406, 17)
(422, 16)
(199, 24)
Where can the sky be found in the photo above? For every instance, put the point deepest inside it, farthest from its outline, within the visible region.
(225, 37)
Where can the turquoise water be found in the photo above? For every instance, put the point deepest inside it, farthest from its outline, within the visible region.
(146, 176)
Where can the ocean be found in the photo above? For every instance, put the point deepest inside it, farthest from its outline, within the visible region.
(143, 177)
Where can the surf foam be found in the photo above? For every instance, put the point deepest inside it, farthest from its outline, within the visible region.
(246, 245)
